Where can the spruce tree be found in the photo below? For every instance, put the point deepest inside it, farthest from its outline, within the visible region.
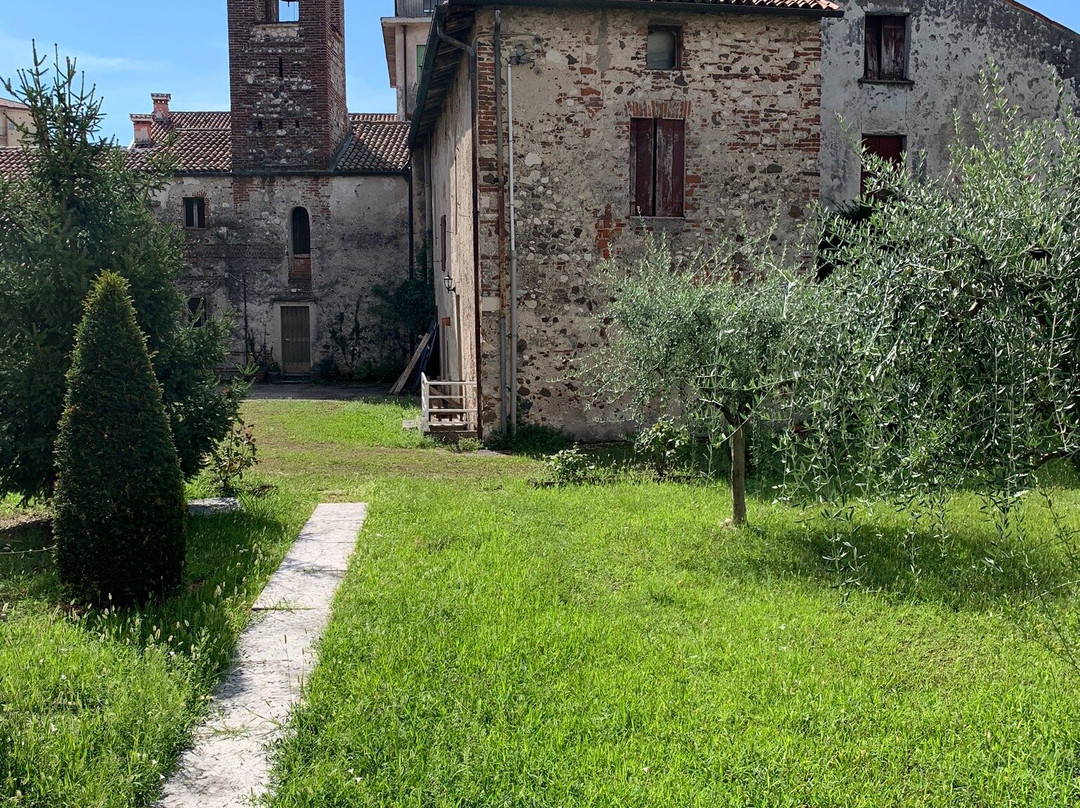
(80, 208)
(119, 499)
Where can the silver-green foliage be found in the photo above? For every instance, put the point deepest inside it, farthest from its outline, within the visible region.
(945, 351)
(703, 337)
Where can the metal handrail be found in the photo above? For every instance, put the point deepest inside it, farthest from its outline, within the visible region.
(433, 394)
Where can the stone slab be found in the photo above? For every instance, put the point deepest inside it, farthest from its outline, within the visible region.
(213, 506)
(229, 765)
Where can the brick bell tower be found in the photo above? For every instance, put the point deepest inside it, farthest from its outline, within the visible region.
(287, 76)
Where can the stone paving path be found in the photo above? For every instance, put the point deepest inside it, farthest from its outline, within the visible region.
(229, 765)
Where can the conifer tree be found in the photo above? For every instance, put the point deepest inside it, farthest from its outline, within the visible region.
(119, 499)
(81, 207)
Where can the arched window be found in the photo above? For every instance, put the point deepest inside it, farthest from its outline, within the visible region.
(301, 233)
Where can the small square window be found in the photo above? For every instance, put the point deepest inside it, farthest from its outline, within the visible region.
(197, 311)
(288, 11)
(886, 48)
(665, 48)
(194, 212)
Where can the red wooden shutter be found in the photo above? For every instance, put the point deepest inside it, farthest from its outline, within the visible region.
(873, 48)
(642, 166)
(887, 147)
(894, 48)
(670, 168)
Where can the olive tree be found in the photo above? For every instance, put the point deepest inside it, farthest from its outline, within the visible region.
(702, 337)
(949, 353)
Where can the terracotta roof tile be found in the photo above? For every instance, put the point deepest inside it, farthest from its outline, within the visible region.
(378, 147)
(201, 143)
(13, 163)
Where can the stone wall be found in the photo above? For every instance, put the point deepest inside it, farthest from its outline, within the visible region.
(749, 94)
(359, 239)
(452, 229)
(949, 43)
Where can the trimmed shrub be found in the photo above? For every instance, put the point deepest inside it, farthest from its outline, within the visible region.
(119, 499)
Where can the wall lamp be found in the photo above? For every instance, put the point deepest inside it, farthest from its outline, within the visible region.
(448, 282)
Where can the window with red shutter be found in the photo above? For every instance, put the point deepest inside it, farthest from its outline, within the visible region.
(890, 148)
(886, 48)
(657, 167)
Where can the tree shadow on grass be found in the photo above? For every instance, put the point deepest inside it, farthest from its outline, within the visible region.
(967, 569)
(229, 559)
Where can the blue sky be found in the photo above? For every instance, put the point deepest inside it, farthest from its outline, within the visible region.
(131, 48)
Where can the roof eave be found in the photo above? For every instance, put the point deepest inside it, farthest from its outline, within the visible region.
(688, 6)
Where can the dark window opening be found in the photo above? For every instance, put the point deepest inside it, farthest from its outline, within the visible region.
(664, 49)
(301, 233)
(889, 148)
(197, 311)
(280, 68)
(886, 48)
(657, 166)
(194, 212)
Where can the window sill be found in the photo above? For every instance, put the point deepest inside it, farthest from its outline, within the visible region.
(888, 82)
(638, 218)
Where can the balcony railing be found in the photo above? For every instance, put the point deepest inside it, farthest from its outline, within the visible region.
(414, 8)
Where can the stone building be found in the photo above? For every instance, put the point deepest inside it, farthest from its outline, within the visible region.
(546, 129)
(292, 209)
(894, 72)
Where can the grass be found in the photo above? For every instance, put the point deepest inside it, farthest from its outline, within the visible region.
(95, 707)
(496, 643)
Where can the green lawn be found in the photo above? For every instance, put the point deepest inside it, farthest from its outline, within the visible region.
(500, 644)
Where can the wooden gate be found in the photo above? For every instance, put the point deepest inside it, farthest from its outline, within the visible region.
(295, 340)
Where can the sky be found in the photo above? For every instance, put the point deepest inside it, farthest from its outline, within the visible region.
(131, 48)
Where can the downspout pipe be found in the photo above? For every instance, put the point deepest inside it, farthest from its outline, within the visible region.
(499, 157)
(513, 257)
(474, 86)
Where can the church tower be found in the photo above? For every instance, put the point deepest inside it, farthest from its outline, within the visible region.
(287, 76)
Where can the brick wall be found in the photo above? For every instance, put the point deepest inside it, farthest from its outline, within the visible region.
(288, 86)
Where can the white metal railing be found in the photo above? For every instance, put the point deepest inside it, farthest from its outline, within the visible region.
(451, 405)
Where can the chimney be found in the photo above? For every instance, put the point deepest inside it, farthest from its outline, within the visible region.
(144, 129)
(161, 106)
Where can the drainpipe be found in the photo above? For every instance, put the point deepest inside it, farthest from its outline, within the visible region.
(499, 115)
(513, 257)
(412, 222)
(475, 93)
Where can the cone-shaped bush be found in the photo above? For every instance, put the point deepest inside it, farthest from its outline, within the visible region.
(119, 497)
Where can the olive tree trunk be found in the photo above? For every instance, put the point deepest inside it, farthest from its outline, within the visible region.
(738, 476)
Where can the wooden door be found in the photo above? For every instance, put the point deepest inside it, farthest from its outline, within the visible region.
(295, 340)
